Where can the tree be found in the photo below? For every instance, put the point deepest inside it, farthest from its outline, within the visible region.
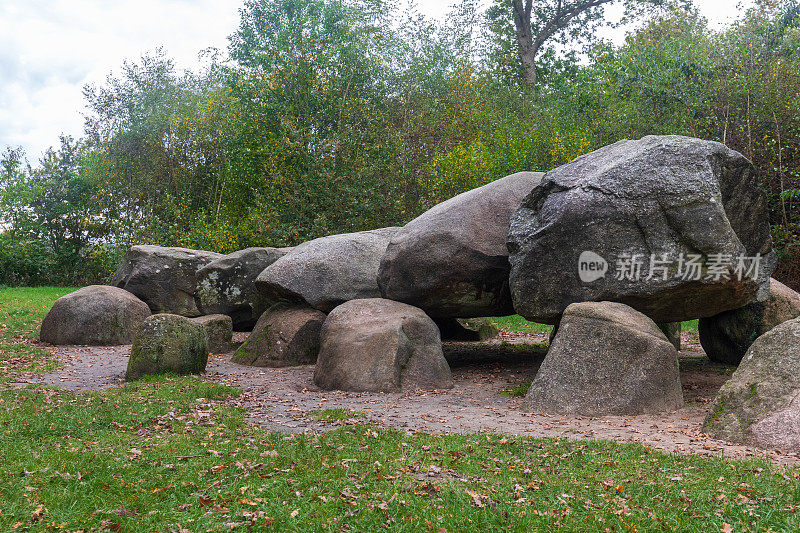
(537, 23)
(50, 215)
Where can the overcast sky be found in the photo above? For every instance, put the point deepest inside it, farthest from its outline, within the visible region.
(49, 49)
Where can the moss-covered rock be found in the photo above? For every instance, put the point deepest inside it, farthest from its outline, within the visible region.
(484, 327)
(761, 393)
(168, 343)
(285, 335)
(219, 332)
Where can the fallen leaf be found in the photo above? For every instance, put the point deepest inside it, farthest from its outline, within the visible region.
(477, 498)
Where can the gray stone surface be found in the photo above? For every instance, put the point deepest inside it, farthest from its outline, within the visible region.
(760, 404)
(727, 336)
(167, 343)
(452, 261)
(285, 335)
(219, 332)
(227, 285)
(672, 330)
(328, 271)
(97, 315)
(164, 278)
(606, 359)
(662, 196)
(380, 346)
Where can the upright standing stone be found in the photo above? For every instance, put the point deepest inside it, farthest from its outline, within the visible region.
(760, 404)
(285, 335)
(606, 359)
(380, 346)
(219, 332)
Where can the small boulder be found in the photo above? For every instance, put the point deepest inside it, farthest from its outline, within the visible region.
(97, 315)
(759, 404)
(658, 224)
(727, 336)
(328, 271)
(379, 345)
(219, 332)
(164, 278)
(466, 329)
(607, 359)
(484, 327)
(452, 260)
(227, 286)
(285, 335)
(168, 343)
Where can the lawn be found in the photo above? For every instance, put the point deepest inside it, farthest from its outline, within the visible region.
(21, 312)
(168, 454)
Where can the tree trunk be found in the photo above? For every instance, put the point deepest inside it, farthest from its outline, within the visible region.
(527, 49)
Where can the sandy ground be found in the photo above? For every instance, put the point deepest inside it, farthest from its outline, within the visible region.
(282, 399)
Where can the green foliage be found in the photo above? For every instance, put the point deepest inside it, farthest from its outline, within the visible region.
(330, 116)
(52, 218)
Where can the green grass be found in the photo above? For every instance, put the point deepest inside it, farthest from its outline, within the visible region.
(21, 313)
(517, 324)
(335, 414)
(167, 453)
(517, 391)
(690, 325)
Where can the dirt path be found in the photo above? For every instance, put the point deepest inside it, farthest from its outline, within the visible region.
(282, 399)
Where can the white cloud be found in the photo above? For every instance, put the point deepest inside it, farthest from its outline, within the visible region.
(49, 49)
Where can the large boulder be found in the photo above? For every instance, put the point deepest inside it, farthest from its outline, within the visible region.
(580, 234)
(328, 271)
(379, 345)
(452, 261)
(97, 315)
(219, 332)
(727, 336)
(164, 278)
(285, 335)
(227, 286)
(168, 343)
(607, 359)
(760, 404)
